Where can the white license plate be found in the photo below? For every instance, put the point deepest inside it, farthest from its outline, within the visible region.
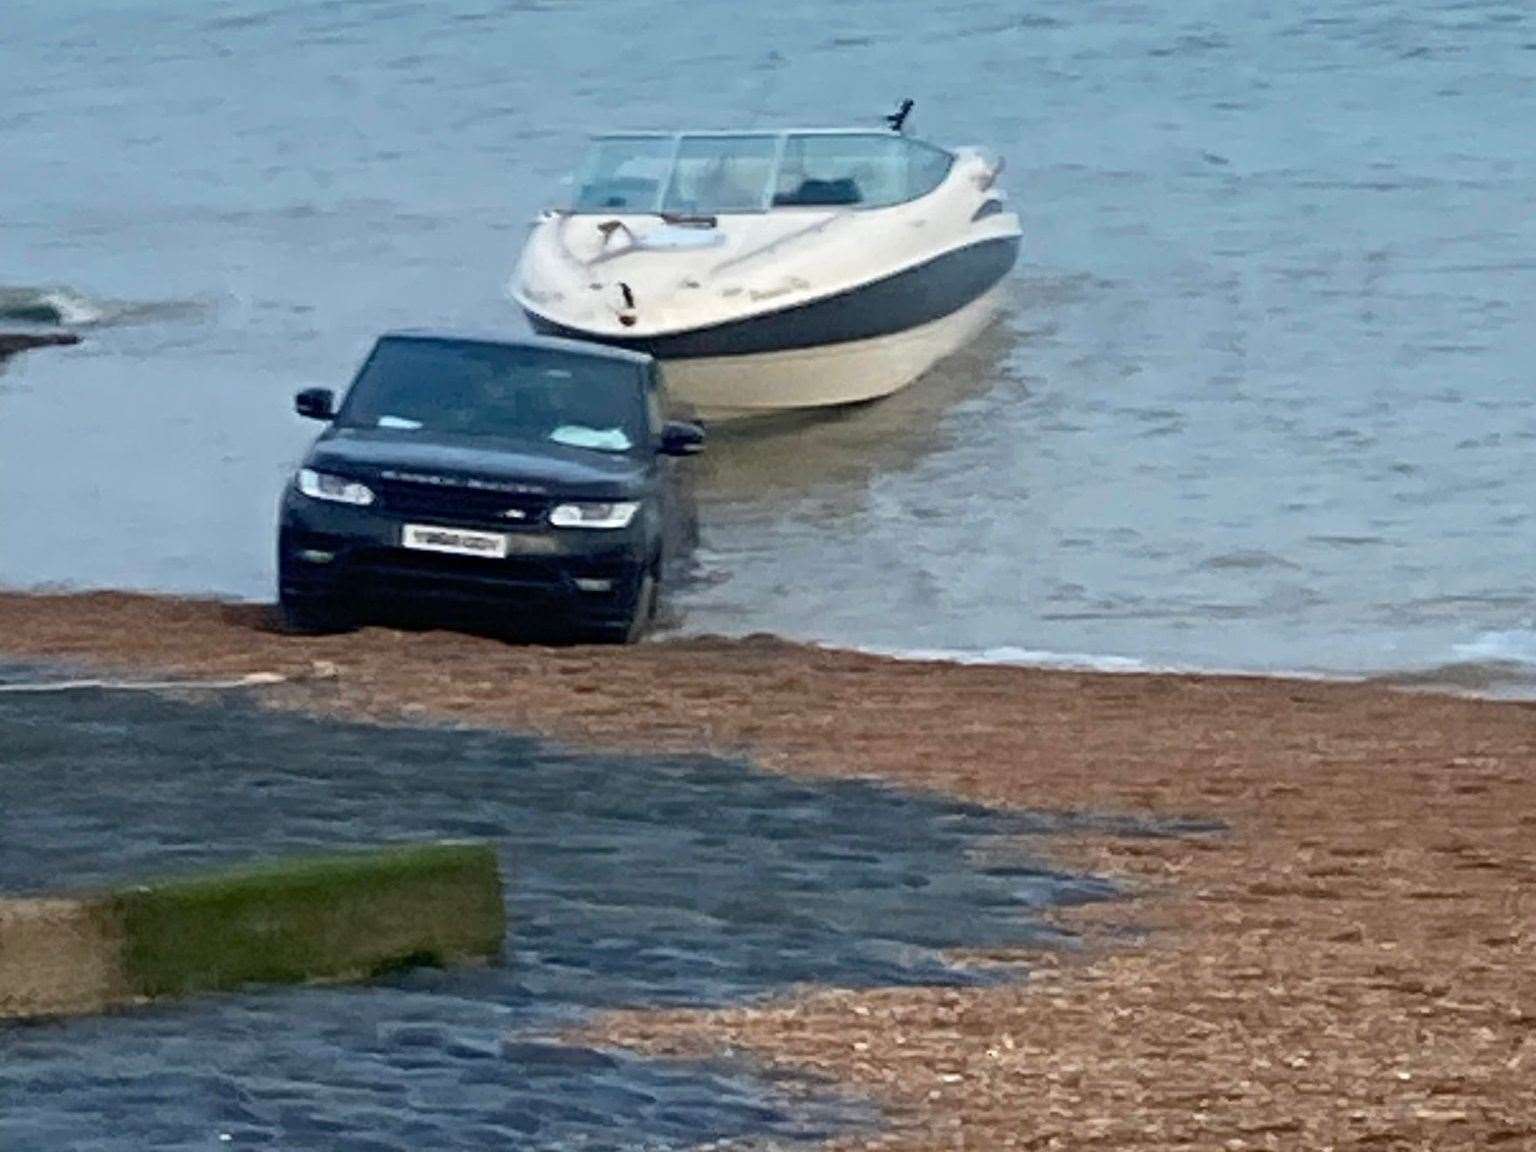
(455, 541)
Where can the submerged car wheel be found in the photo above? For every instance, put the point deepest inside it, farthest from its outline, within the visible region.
(639, 623)
(645, 609)
(309, 617)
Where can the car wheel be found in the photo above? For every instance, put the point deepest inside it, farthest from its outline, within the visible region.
(645, 609)
(311, 617)
(639, 623)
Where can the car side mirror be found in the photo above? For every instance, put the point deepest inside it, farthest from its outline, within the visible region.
(315, 403)
(681, 439)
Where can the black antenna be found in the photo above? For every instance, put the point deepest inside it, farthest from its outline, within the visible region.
(898, 119)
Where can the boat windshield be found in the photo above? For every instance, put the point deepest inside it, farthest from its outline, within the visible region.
(707, 174)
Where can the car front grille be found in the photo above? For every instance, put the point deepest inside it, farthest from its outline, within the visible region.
(507, 511)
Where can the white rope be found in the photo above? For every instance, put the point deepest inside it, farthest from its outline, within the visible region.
(253, 680)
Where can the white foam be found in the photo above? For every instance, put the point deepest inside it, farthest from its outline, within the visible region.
(1514, 646)
(63, 306)
(1013, 657)
(1513, 650)
(1497, 665)
(72, 310)
(1024, 657)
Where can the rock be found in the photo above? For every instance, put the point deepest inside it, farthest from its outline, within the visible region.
(14, 342)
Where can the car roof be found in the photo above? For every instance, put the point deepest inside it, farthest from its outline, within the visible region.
(520, 340)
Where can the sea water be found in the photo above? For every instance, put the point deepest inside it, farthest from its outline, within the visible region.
(1261, 397)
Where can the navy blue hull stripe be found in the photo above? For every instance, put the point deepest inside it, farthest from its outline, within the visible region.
(906, 300)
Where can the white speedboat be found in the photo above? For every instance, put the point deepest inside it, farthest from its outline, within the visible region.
(771, 271)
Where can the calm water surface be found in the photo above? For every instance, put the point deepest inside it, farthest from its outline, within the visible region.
(1262, 399)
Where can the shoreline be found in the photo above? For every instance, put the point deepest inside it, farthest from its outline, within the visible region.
(1351, 962)
(1491, 678)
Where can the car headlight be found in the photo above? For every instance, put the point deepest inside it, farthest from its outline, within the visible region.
(616, 515)
(324, 486)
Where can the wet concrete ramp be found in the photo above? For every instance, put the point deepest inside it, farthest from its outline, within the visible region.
(633, 881)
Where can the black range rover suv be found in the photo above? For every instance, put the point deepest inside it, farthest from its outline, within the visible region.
(518, 479)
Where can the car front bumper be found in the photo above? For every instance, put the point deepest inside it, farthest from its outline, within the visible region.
(349, 559)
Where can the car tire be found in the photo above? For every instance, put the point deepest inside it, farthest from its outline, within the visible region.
(306, 617)
(645, 608)
(641, 618)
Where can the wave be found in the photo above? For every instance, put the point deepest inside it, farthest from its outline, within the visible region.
(49, 307)
(1515, 646)
(1500, 664)
(63, 307)
(1029, 658)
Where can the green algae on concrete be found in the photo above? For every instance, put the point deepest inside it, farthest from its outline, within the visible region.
(346, 916)
(352, 915)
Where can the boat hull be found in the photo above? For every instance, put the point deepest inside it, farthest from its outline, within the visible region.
(846, 349)
(823, 376)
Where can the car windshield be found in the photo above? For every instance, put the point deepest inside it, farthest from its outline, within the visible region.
(707, 174)
(498, 391)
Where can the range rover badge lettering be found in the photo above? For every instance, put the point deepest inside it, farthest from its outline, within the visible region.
(470, 482)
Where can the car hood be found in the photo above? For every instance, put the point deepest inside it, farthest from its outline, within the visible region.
(543, 468)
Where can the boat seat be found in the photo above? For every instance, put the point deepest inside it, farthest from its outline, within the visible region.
(820, 193)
